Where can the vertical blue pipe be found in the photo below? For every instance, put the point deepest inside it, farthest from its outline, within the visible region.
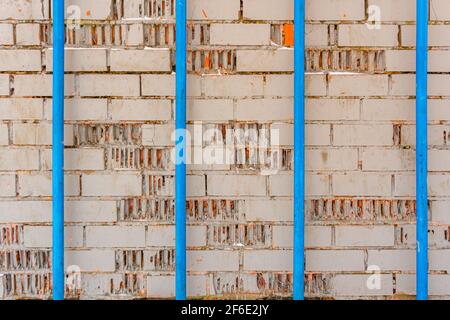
(299, 149)
(58, 150)
(180, 167)
(421, 150)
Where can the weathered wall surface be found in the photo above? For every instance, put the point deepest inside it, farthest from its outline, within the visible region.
(119, 177)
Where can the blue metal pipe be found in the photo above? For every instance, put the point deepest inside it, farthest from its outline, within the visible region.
(299, 150)
(421, 150)
(180, 149)
(58, 151)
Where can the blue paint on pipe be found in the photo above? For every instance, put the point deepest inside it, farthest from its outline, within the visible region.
(180, 149)
(58, 151)
(299, 150)
(421, 150)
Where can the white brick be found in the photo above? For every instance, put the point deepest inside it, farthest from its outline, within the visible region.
(315, 236)
(265, 60)
(164, 236)
(6, 34)
(387, 109)
(155, 59)
(8, 183)
(437, 35)
(236, 185)
(38, 134)
(234, 86)
(268, 10)
(358, 35)
(80, 109)
(334, 260)
(240, 34)
(78, 159)
(440, 212)
(377, 159)
(358, 184)
(28, 34)
(20, 60)
(402, 260)
(157, 135)
(400, 10)
(91, 260)
(21, 109)
(363, 135)
(25, 211)
(24, 10)
(115, 236)
(140, 110)
(41, 236)
(439, 10)
(19, 159)
(98, 10)
(79, 59)
(367, 236)
(332, 109)
(164, 85)
(356, 285)
(90, 211)
(213, 9)
(212, 260)
(4, 135)
(282, 185)
(316, 35)
(111, 185)
(347, 10)
(438, 284)
(4, 85)
(358, 85)
(41, 85)
(282, 85)
(264, 109)
(269, 210)
(210, 110)
(268, 260)
(331, 159)
(109, 85)
(38, 185)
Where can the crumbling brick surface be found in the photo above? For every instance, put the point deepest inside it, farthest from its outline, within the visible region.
(119, 116)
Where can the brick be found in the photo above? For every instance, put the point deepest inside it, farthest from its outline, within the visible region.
(440, 212)
(282, 185)
(268, 260)
(358, 184)
(331, 159)
(164, 85)
(439, 185)
(111, 185)
(21, 109)
(38, 134)
(41, 236)
(8, 183)
(437, 35)
(213, 9)
(210, 110)
(437, 284)
(4, 85)
(164, 236)
(90, 211)
(32, 85)
(356, 285)
(315, 236)
(91, 260)
(20, 60)
(404, 185)
(439, 260)
(358, 35)
(140, 110)
(234, 85)
(348, 10)
(388, 109)
(160, 286)
(78, 159)
(236, 185)
(209, 260)
(155, 59)
(436, 135)
(439, 11)
(25, 211)
(264, 109)
(157, 135)
(98, 10)
(19, 159)
(6, 34)
(332, 109)
(80, 109)
(363, 135)
(438, 160)
(401, 10)
(115, 236)
(79, 59)
(24, 10)
(367, 236)
(109, 85)
(39, 185)
(438, 110)
(316, 35)
(4, 135)
(395, 260)
(404, 60)
(268, 10)
(133, 34)
(28, 34)
(376, 159)
(282, 85)
(334, 260)
(358, 85)
(265, 60)
(240, 34)
(269, 210)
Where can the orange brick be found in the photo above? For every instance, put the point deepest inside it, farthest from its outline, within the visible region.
(288, 32)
